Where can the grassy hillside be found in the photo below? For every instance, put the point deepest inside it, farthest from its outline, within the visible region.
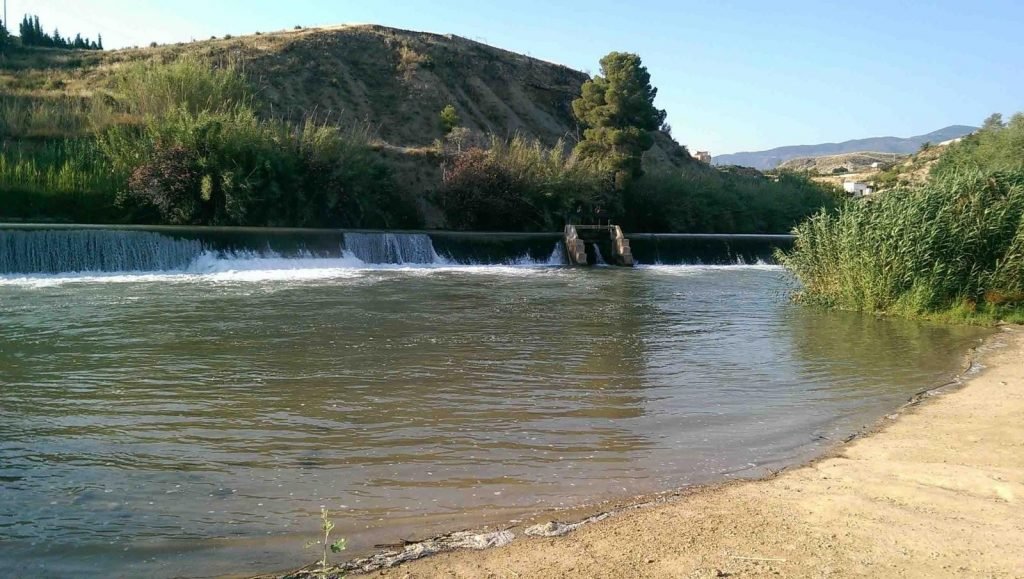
(860, 162)
(834, 170)
(335, 127)
(395, 81)
(914, 169)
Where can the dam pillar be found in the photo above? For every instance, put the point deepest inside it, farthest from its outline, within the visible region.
(575, 250)
(577, 237)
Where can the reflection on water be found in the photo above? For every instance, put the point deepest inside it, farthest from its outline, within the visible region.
(165, 424)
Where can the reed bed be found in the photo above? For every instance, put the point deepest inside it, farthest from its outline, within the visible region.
(30, 117)
(951, 247)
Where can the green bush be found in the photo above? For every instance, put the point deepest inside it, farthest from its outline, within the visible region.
(181, 143)
(152, 89)
(956, 242)
(449, 119)
(68, 180)
(519, 185)
(231, 168)
(706, 201)
(997, 146)
(23, 117)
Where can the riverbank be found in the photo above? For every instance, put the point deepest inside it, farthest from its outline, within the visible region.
(934, 493)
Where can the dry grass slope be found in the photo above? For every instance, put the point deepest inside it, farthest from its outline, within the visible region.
(852, 162)
(395, 80)
(391, 83)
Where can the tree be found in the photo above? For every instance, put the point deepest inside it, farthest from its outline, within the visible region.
(41, 38)
(993, 122)
(27, 31)
(618, 114)
(5, 37)
(449, 119)
(31, 31)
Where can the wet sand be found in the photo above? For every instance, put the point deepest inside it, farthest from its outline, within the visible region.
(937, 491)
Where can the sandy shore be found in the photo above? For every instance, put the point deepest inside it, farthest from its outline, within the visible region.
(936, 492)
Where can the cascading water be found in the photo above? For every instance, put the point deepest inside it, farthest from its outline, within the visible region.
(59, 251)
(47, 251)
(392, 248)
(557, 256)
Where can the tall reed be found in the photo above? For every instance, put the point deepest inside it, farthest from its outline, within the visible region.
(956, 242)
(152, 89)
(60, 117)
(64, 180)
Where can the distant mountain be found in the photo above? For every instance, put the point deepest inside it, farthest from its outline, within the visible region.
(774, 157)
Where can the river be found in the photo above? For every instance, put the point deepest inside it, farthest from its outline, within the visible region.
(169, 410)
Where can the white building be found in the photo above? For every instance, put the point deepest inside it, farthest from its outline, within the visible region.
(857, 188)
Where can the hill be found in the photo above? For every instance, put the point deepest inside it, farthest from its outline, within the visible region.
(772, 158)
(341, 127)
(843, 163)
(390, 82)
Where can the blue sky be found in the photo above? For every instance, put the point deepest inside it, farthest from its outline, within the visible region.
(733, 75)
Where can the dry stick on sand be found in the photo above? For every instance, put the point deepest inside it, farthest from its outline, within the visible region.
(757, 559)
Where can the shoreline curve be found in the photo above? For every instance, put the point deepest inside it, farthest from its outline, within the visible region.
(933, 489)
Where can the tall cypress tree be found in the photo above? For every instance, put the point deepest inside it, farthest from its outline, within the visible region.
(27, 32)
(4, 35)
(32, 34)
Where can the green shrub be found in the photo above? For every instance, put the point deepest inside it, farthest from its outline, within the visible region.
(955, 243)
(181, 143)
(997, 146)
(707, 201)
(65, 180)
(449, 119)
(231, 168)
(515, 186)
(24, 117)
(152, 89)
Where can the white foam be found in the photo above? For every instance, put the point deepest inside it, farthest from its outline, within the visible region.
(252, 267)
(689, 269)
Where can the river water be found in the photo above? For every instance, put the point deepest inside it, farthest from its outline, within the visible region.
(193, 421)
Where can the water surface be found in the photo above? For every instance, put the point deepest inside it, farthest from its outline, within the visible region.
(193, 423)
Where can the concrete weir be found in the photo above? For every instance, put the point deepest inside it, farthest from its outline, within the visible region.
(579, 237)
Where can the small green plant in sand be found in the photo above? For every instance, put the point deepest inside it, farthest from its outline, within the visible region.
(326, 525)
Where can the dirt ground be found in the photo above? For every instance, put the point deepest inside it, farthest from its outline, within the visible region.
(936, 492)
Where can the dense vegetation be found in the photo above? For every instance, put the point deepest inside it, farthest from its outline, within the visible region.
(32, 34)
(953, 246)
(184, 138)
(522, 185)
(518, 184)
(181, 143)
(717, 202)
